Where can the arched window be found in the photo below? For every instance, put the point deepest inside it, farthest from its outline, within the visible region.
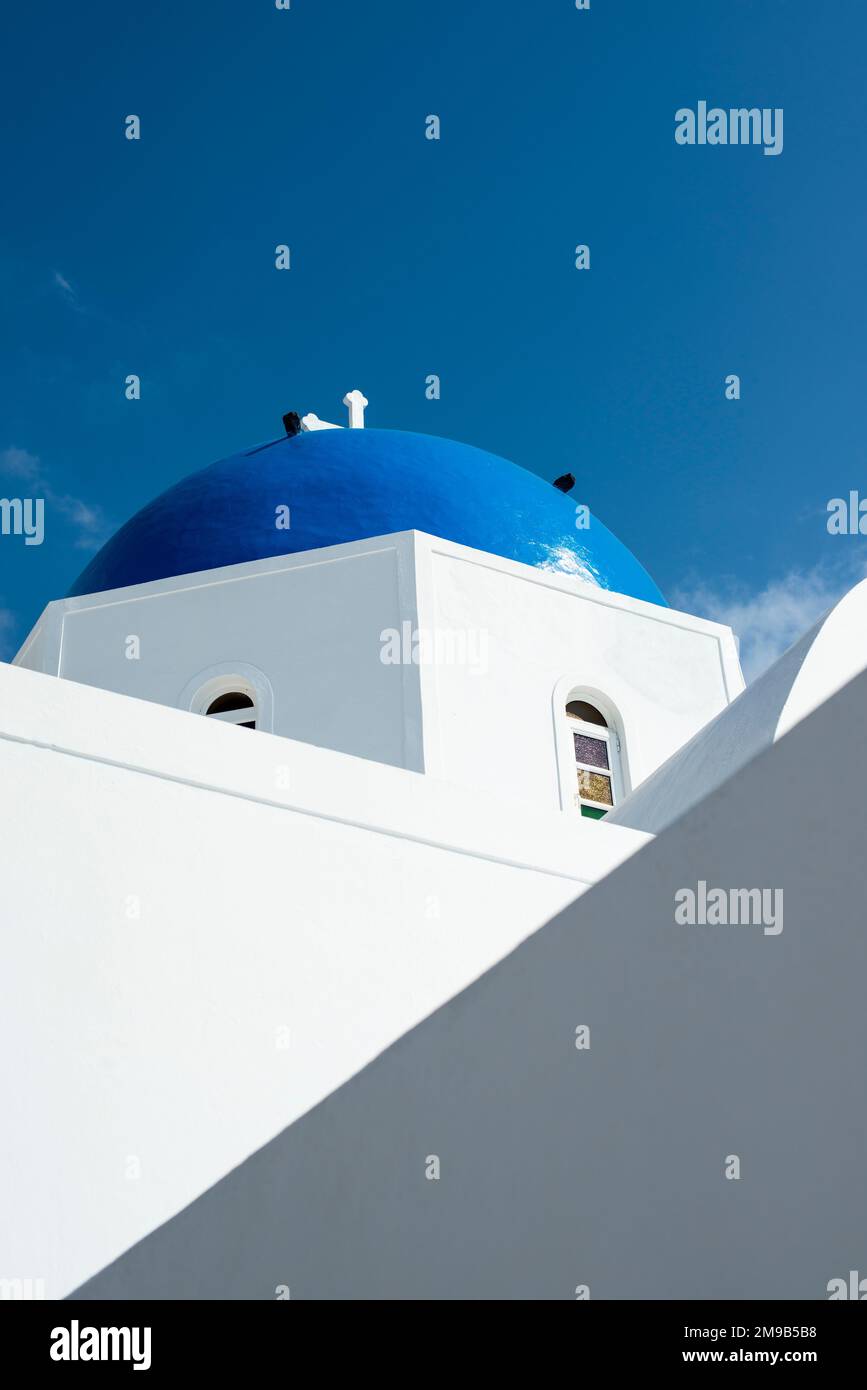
(596, 748)
(233, 694)
(235, 707)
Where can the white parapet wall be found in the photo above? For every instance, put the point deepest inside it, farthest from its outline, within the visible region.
(204, 931)
(304, 628)
(413, 651)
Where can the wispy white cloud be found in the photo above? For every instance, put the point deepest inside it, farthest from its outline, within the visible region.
(18, 463)
(66, 291)
(769, 620)
(88, 524)
(61, 283)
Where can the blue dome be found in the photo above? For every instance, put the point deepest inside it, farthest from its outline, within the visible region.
(348, 485)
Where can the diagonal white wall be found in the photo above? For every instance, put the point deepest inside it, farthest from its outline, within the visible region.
(606, 1168)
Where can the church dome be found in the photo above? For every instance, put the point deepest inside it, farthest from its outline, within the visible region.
(351, 484)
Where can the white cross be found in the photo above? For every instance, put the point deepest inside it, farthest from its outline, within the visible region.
(357, 404)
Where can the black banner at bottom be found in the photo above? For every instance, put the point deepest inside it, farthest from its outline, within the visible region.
(156, 1338)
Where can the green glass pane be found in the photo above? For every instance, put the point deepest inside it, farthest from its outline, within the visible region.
(593, 812)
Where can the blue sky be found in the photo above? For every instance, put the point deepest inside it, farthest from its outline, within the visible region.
(454, 257)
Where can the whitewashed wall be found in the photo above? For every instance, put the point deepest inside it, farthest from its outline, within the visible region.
(610, 1166)
(486, 714)
(204, 931)
(664, 673)
(309, 623)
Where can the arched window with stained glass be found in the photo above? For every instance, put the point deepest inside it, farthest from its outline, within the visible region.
(596, 747)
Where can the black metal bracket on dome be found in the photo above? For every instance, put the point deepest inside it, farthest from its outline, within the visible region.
(566, 482)
(292, 423)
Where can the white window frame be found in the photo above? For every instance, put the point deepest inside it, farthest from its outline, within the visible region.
(565, 692)
(605, 735)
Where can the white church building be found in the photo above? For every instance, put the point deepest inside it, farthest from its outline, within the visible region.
(344, 805)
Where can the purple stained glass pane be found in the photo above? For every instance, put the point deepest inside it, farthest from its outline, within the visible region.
(591, 750)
